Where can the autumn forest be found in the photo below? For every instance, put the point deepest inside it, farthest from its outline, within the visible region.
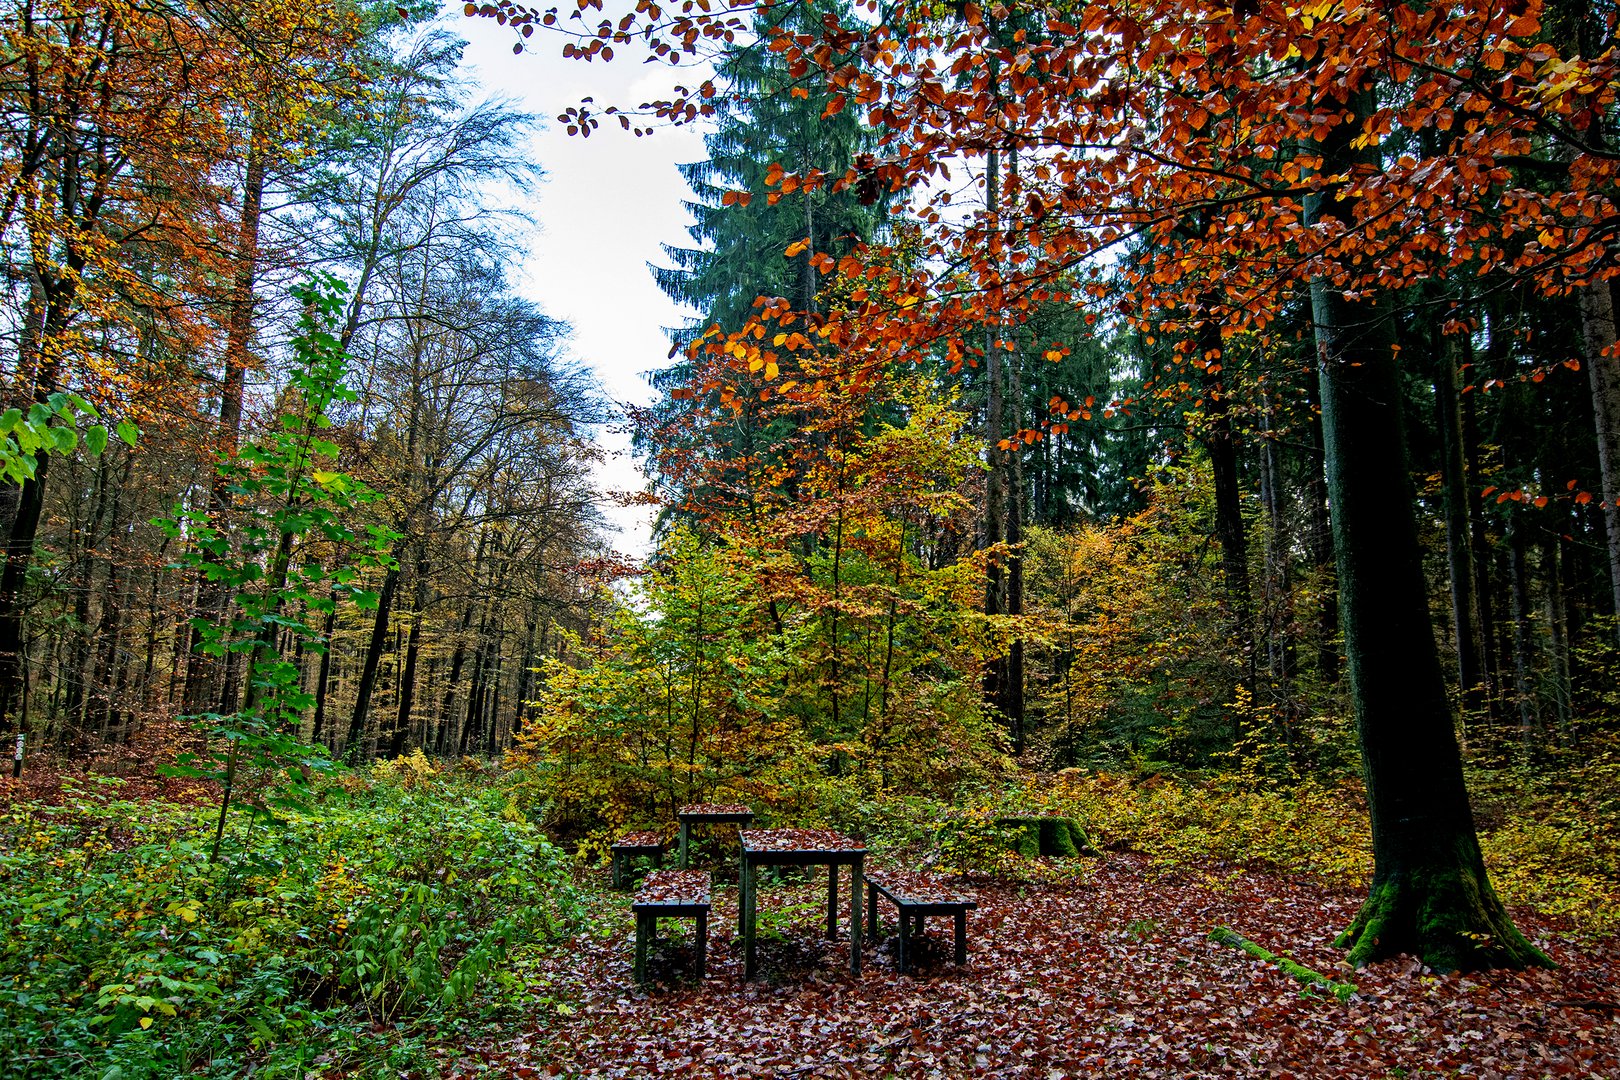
(1141, 479)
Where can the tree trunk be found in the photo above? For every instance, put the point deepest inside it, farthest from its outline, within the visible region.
(1459, 549)
(407, 677)
(354, 747)
(19, 552)
(1221, 443)
(1012, 687)
(1603, 373)
(1319, 544)
(995, 670)
(323, 678)
(1430, 893)
(1524, 694)
(1480, 544)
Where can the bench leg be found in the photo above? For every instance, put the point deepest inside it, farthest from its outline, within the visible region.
(961, 937)
(702, 942)
(686, 837)
(900, 942)
(832, 902)
(618, 870)
(646, 928)
(873, 929)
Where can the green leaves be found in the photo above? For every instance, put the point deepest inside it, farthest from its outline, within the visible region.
(267, 563)
(52, 427)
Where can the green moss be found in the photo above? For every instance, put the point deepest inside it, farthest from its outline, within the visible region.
(1227, 936)
(1449, 918)
(1054, 837)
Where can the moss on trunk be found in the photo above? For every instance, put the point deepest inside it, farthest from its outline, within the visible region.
(1055, 837)
(1449, 916)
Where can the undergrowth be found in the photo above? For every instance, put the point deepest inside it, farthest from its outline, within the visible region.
(322, 942)
(1550, 833)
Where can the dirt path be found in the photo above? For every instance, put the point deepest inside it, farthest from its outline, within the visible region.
(1111, 974)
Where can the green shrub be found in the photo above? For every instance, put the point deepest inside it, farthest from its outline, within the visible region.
(125, 955)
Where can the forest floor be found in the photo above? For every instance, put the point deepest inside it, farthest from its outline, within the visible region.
(1107, 971)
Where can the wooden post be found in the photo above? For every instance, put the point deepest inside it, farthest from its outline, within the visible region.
(703, 942)
(961, 937)
(855, 870)
(832, 901)
(874, 931)
(900, 945)
(646, 928)
(749, 962)
(686, 836)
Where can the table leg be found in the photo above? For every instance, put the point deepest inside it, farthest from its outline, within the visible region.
(832, 901)
(639, 970)
(702, 942)
(855, 920)
(749, 963)
(961, 937)
(686, 836)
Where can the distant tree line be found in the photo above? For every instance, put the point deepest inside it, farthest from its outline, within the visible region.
(169, 174)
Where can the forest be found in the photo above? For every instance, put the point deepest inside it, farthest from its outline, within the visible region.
(1142, 476)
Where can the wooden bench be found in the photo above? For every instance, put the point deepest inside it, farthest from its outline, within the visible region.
(648, 844)
(670, 894)
(915, 896)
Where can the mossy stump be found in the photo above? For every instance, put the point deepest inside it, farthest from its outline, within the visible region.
(1054, 837)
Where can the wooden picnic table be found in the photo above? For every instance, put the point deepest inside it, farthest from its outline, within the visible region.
(801, 847)
(708, 814)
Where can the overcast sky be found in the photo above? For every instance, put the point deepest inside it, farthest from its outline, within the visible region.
(605, 206)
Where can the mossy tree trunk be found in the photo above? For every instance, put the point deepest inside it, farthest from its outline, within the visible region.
(1430, 894)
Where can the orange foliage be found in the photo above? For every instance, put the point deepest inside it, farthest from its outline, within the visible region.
(127, 122)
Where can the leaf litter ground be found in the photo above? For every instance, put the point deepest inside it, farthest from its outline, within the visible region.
(1110, 973)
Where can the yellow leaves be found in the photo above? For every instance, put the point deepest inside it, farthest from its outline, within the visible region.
(186, 910)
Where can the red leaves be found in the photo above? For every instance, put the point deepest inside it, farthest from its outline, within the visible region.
(714, 808)
(797, 840)
(1108, 973)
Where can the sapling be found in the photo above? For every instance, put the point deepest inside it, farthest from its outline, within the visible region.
(269, 565)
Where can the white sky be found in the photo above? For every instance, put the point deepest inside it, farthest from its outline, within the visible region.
(605, 206)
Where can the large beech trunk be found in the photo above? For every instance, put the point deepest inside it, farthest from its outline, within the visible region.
(1430, 893)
